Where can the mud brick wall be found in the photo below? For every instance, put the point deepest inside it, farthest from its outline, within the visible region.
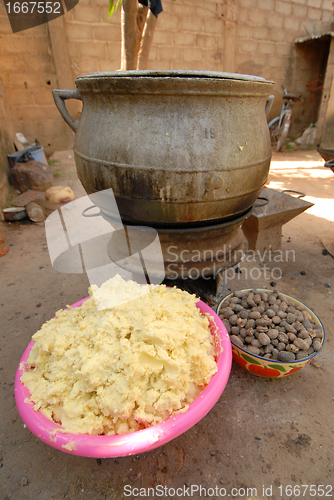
(243, 36)
(28, 75)
(94, 38)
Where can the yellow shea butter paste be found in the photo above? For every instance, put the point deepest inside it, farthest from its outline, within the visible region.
(120, 369)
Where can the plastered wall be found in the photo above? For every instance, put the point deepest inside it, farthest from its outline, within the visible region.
(244, 36)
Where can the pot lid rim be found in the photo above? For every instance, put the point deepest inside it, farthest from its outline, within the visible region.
(173, 73)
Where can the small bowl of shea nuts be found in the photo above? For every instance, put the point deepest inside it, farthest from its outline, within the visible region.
(272, 334)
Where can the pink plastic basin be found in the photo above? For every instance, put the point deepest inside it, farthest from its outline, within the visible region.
(135, 442)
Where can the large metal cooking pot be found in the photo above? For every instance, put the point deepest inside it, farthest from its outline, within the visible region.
(177, 147)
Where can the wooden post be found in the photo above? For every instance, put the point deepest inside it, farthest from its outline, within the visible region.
(6, 143)
(63, 69)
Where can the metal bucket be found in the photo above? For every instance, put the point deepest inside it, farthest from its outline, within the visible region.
(178, 148)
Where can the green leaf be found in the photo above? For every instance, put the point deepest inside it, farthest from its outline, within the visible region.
(112, 7)
(278, 367)
(249, 359)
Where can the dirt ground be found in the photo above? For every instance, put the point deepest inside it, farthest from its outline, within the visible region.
(262, 438)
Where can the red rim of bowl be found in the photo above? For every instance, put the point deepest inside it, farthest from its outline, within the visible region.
(136, 442)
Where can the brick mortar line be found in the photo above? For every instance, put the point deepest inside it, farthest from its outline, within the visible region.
(89, 23)
(198, 7)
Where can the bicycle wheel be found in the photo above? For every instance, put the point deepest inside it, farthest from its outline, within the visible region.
(274, 130)
(283, 131)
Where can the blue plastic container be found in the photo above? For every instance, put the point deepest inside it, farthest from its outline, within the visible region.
(37, 152)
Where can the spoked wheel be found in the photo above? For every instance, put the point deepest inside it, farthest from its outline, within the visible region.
(274, 130)
(278, 134)
(283, 133)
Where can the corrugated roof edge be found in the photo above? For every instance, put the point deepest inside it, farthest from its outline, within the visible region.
(314, 37)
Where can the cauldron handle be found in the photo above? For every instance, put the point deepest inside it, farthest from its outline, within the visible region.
(269, 103)
(59, 97)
